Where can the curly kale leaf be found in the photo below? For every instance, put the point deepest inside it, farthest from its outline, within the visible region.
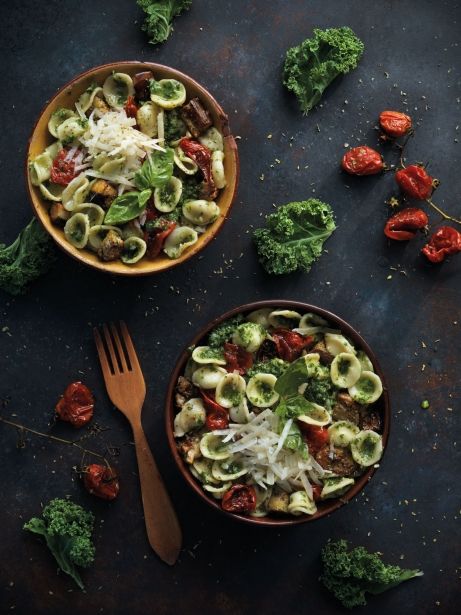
(294, 236)
(67, 529)
(316, 62)
(28, 257)
(159, 15)
(350, 574)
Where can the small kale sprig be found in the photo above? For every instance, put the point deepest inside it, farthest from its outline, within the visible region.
(67, 529)
(159, 15)
(350, 574)
(28, 257)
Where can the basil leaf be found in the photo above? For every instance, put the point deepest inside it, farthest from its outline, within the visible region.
(298, 372)
(156, 170)
(127, 207)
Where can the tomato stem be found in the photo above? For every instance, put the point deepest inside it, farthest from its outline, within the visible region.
(54, 438)
(403, 146)
(442, 213)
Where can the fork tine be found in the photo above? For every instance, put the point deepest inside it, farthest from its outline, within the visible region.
(129, 347)
(110, 347)
(120, 350)
(106, 367)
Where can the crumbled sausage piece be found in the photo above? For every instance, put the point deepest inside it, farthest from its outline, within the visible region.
(111, 247)
(189, 448)
(340, 462)
(185, 390)
(58, 214)
(369, 419)
(325, 357)
(100, 105)
(346, 409)
(185, 387)
(179, 400)
(103, 188)
(141, 84)
(278, 502)
(196, 117)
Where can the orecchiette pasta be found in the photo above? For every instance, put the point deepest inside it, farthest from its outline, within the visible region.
(147, 118)
(85, 101)
(200, 212)
(181, 238)
(77, 230)
(40, 168)
(217, 169)
(117, 87)
(212, 139)
(75, 192)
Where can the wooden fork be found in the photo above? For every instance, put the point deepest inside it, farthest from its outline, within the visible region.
(127, 390)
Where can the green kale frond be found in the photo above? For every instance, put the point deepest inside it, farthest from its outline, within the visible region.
(67, 529)
(294, 236)
(311, 66)
(159, 15)
(350, 574)
(28, 257)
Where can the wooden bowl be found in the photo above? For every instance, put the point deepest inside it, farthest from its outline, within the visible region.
(66, 97)
(382, 405)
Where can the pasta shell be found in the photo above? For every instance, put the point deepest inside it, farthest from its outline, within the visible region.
(77, 229)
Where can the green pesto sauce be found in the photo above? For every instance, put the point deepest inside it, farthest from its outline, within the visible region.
(232, 394)
(248, 331)
(366, 386)
(211, 353)
(265, 391)
(343, 366)
(368, 446)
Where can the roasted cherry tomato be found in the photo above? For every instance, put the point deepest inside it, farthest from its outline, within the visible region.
(62, 170)
(156, 238)
(101, 481)
(201, 155)
(394, 123)
(239, 499)
(316, 491)
(217, 417)
(404, 224)
(416, 182)
(446, 240)
(237, 358)
(130, 107)
(315, 437)
(290, 344)
(76, 405)
(362, 160)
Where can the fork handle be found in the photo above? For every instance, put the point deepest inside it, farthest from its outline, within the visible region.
(162, 524)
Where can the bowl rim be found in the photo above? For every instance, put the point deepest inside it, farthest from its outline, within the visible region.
(104, 267)
(331, 505)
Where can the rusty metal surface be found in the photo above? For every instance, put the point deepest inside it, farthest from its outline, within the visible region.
(408, 311)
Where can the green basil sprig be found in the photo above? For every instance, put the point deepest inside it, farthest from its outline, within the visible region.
(156, 170)
(127, 206)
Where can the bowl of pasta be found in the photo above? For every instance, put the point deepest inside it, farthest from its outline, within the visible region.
(277, 413)
(132, 168)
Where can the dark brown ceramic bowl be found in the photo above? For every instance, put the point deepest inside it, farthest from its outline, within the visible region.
(383, 405)
(66, 97)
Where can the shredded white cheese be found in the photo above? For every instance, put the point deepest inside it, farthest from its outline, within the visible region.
(258, 447)
(113, 135)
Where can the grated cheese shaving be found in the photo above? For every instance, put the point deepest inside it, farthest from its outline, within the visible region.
(113, 136)
(258, 447)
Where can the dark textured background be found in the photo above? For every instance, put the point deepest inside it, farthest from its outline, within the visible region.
(406, 309)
